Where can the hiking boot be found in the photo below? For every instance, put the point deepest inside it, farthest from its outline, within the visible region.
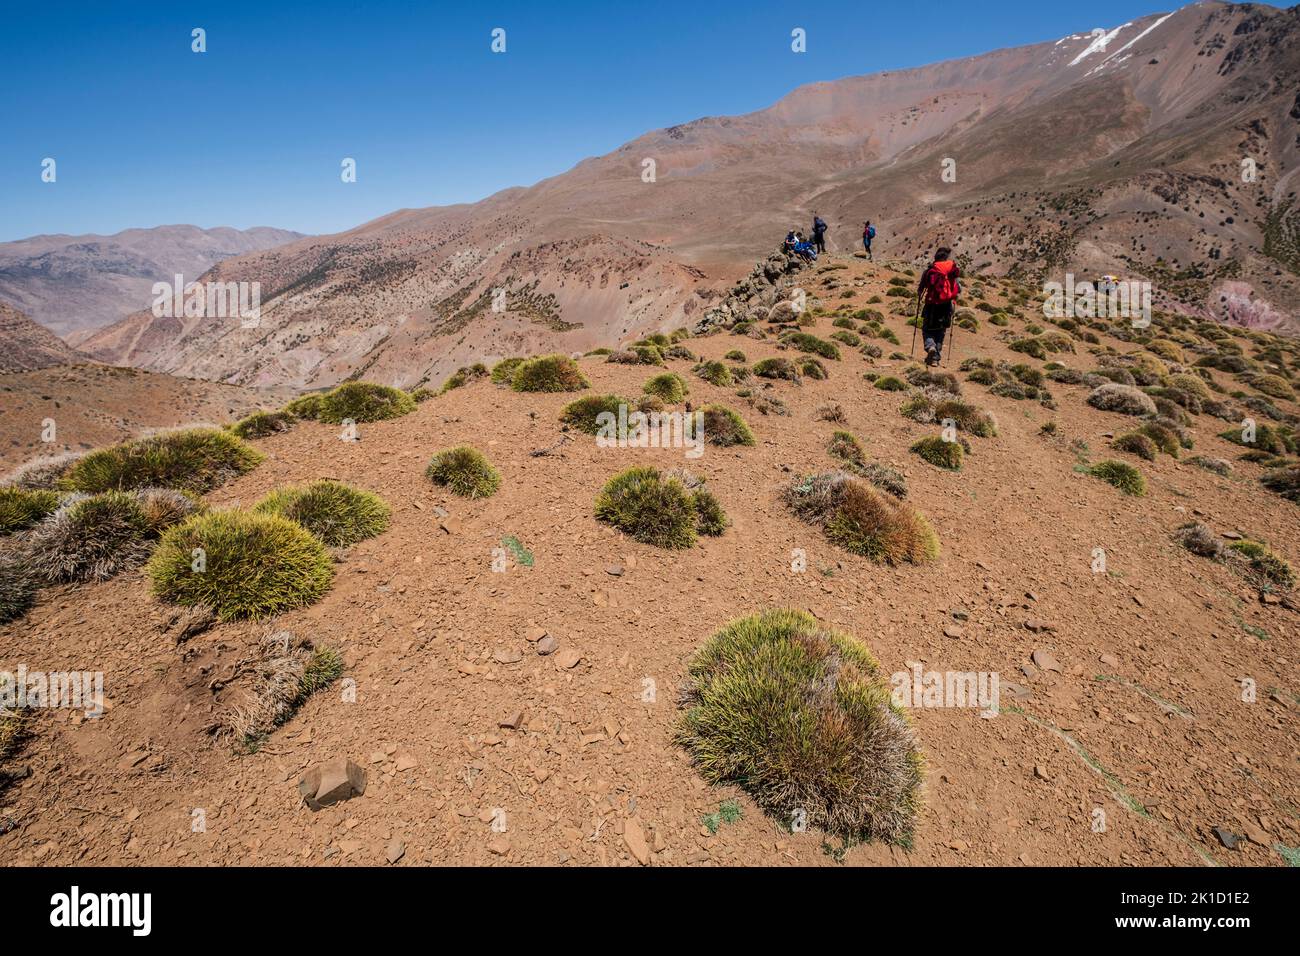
(931, 357)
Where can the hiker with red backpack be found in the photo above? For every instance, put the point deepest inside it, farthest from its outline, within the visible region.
(940, 288)
(868, 233)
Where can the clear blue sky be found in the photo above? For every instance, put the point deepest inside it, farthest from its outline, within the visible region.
(252, 132)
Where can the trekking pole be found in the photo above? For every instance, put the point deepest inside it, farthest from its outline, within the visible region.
(952, 342)
(916, 321)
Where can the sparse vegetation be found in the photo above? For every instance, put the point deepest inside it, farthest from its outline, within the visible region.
(724, 427)
(940, 453)
(800, 717)
(715, 373)
(776, 368)
(659, 509)
(89, 538)
(262, 424)
(464, 471)
(21, 508)
(1123, 476)
(241, 564)
(1125, 399)
(337, 514)
(668, 386)
(862, 519)
(549, 373)
(363, 402)
(193, 459)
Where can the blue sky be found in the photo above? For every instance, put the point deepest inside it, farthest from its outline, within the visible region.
(252, 132)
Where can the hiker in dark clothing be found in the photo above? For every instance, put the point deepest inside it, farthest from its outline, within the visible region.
(940, 287)
(868, 233)
(819, 233)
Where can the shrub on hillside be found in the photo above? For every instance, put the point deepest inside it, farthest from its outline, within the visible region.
(463, 376)
(21, 508)
(1124, 399)
(18, 585)
(724, 427)
(261, 424)
(669, 386)
(658, 509)
(89, 538)
(337, 514)
(1135, 443)
(862, 519)
(192, 459)
(940, 453)
(715, 373)
(1266, 565)
(504, 370)
(888, 383)
(464, 471)
(1123, 476)
(42, 474)
(735, 355)
(549, 373)
(584, 413)
(363, 402)
(241, 564)
(800, 717)
(776, 368)
(807, 342)
(1284, 481)
(305, 406)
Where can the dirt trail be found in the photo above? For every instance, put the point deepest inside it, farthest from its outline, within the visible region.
(1158, 737)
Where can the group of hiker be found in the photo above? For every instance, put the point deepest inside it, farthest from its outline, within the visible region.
(936, 293)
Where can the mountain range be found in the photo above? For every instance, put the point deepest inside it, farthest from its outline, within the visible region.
(1163, 149)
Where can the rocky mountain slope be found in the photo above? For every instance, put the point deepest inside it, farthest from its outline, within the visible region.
(1120, 153)
(76, 284)
(523, 711)
(24, 345)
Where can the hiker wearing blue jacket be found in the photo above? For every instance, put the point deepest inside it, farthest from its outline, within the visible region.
(819, 233)
(868, 233)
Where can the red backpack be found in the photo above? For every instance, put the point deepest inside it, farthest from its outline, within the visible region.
(941, 283)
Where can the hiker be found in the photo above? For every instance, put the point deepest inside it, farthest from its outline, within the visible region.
(940, 287)
(819, 233)
(868, 233)
(791, 240)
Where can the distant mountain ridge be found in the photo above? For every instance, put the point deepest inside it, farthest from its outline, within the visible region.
(1114, 152)
(75, 284)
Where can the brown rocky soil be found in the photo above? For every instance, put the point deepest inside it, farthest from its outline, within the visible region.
(1144, 718)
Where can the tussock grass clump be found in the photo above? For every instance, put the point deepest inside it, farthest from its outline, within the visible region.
(735, 355)
(1284, 481)
(420, 394)
(932, 379)
(1165, 439)
(715, 373)
(261, 424)
(464, 471)
(1124, 399)
(669, 386)
(807, 342)
(241, 564)
(1265, 565)
(463, 376)
(42, 474)
(1274, 386)
(831, 412)
(21, 508)
(888, 383)
(800, 717)
(363, 402)
(584, 413)
(305, 406)
(164, 507)
(940, 453)
(724, 427)
(89, 538)
(18, 585)
(862, 519)
(1267, 439)
(680, 352)
(1201, 540)
(337, 514)
(192, 459)
(1135, 443)
(504, 370)
(660, 510)
(846, 447)
(1122, 475)
(844, 336)
(812, 368)
(966, 417)
(288, 671)
(776, 368)
(1220, 466)
(549, 373)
